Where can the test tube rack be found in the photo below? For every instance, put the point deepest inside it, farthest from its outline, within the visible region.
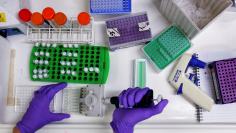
(166, 47)
(129, 30)
(75, 33)
(110, 6)
(223, 74)
(71, 63)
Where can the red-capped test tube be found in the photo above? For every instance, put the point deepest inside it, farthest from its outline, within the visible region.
(38, 20)
(60, 20)
(84, 18)
(25, 16)
(48, 15)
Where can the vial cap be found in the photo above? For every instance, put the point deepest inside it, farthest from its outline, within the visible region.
(25, 15)
(37, 18)
(60, 18)
(83, 18)
(48, 13)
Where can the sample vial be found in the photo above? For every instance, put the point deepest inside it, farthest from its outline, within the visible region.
(43, 44)
(41, 62)
(63, 63)
(45, 70)
(45, 75)
(48, 45)
(86, 69)
(36, 61)
(76, 45)
(35, 76)
(47, 54)
(68, 71)
(54, 45)
(48, 14)
(69, 54)
(25, 16)
(60, 20)
(40, 76)
(41, 53)
(68, 63)
(36, 53)
(38, 20)
(73, 73)
(83, 18)
(40, 71)
(70, 45)
(37, 44)
(46, 62)
(91, 69)
(35, 71)
(75, 54)
(96, 70)
(64, 53)
(63, 72)
(74, 63)
(65, 46)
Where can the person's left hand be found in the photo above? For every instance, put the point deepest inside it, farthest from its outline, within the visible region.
(38, 113)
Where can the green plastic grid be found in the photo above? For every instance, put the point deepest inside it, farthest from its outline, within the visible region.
(167, 47)
(94, 57)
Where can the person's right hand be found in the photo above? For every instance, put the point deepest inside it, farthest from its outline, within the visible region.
(38, 113)
(124, 119)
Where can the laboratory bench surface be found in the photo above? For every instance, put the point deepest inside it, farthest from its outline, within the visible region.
(218, 35)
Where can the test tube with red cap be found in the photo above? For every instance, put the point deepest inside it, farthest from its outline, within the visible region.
(48, 15)
(25, 16)
(38, 20)
(60, 20)
(83, 18)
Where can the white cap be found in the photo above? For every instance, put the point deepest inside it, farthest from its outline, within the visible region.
(47, 54)
(65, 45)
(75, 54)
(45, 75)
(43, 44)
(35, 76)
(73, 63)
(40, 71)
(91, 69)
(35, 71)
(68, 63)
(70, 45)
(41, 62)
(76, 45)
(73, 73)
(40, 76)
(41, 53)
(68, 72)
(62, 63)
(36, 53)
(45, 70)
(63, 72)
(36, 61)
(86, 69)
(96, 69)
(54, 45)
(63, 53)
(48, 45)
(37, 44)
(69, 54)
(46, 62)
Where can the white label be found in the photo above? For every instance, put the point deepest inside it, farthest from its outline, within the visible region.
(113, 32)
(143, 26)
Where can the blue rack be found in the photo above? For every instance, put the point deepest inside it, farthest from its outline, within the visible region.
(110, 6)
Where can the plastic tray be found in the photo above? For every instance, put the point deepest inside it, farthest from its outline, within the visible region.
(167, 47)
(110, 6)
(69, 63)
(128, 30)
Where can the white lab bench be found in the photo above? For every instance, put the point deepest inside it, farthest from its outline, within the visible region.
(179, 115)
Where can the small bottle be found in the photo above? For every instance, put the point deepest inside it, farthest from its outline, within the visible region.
(38, 21)
(60, 20)
(25, 16)
(48, 14)
(83, 18)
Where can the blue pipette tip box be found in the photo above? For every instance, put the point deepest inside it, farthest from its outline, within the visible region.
(110, 6)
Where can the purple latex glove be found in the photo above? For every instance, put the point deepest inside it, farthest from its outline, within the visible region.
(38, 113)
(124, 119)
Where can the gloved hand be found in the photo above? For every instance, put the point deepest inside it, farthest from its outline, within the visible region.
(124, 119)
(38, 113)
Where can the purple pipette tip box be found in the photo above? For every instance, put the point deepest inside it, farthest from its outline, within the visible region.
(127, 31)
(224, 78)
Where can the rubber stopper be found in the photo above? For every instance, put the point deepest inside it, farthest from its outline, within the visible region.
(37, 18)
(60, 18)
(48, 13)
(25, 15)
(83, 18)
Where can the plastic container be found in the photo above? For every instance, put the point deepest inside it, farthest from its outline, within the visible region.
(25, 16)
(38, 20)
(129, 30)
(192, 16)
(110, 6)
(60, 20)
(84, 18)
(48, 14)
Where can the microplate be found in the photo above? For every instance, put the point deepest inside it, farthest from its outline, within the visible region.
(223, 75)
(110, 6)
(72, 63)
(166, 47)
(128, 30)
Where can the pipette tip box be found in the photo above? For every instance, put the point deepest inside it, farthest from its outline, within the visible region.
(110, 6)
(127, 31)
(166, 47)
(71, 63)
(224, 80)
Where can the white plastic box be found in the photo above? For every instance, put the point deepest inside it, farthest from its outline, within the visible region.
(192, 15)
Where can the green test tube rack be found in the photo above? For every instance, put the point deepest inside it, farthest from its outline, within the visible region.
(166, 47)
(71, 63)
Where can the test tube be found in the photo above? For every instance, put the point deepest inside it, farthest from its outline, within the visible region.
(83, 18)
(60, 20)
(25, 16)
(48, 14)
(38, 20)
